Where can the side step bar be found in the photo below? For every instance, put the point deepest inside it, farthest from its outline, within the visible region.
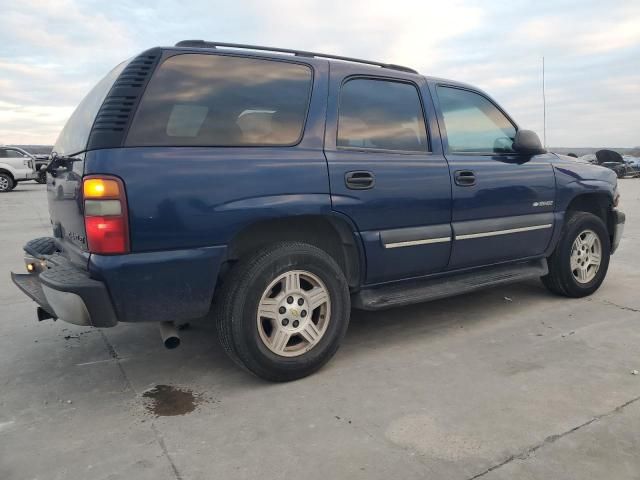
(406, 293)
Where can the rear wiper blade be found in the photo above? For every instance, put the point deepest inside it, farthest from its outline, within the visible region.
(59, 161)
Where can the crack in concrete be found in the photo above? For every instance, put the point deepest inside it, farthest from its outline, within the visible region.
(621, 307)
(552, 439)
(158, 435)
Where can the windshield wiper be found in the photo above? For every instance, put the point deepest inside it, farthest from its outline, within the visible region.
(60, 161)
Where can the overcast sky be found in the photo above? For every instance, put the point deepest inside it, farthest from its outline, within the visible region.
(52, 52)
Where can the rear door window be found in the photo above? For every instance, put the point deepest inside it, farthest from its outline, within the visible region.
(216, 100)
(381, 115)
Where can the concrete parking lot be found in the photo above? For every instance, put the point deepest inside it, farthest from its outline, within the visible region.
(508, 383)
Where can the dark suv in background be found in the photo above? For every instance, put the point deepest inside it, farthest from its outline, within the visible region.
(276, 189)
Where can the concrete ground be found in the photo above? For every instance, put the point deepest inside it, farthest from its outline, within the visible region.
(509, 383)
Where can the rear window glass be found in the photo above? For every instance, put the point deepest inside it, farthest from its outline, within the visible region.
(214, 100)
(75, 134)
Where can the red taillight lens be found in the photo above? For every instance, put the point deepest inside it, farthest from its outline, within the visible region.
(105, 215)
(106, 234)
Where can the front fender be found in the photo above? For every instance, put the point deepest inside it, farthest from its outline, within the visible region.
(579, 179)
(10, 169)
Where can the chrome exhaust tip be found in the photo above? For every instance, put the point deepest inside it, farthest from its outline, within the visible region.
(169, 335)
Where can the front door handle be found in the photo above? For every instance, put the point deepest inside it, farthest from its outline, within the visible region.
(464, 178)
(359, 180)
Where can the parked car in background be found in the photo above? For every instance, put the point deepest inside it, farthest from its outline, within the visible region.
(589, 157)
(633, 162)
(613, 161)
(41, 161)
(276, 189)
(16, 165)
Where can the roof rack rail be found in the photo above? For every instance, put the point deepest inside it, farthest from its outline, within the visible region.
(298, 53)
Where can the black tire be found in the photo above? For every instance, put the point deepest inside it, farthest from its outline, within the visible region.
(237, 299)
(560, 279)
(41, 178)
(6, 183)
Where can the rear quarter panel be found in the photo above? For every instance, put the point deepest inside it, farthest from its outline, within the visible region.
(185, 197)
(186, 204)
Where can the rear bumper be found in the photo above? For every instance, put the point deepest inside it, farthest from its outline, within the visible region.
(67, 293)
(175, 285)
(618, 228)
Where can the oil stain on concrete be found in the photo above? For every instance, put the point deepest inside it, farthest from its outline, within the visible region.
(169, 401)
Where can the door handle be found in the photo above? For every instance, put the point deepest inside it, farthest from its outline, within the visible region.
(464, 178)
(359, 180)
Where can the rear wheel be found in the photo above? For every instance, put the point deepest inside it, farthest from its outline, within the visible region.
(42, 177)
(580, 261)
(283, 312)
(6, 183)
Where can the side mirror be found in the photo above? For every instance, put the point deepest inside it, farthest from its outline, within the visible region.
(528, 143)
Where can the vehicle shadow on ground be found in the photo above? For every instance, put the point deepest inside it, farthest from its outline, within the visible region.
(200, 358)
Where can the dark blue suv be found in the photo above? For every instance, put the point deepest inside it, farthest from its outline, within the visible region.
(273, 190)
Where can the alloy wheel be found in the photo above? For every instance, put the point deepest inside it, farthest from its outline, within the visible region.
(293, 313)
(586, 255)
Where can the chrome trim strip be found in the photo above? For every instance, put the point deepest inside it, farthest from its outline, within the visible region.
(503, 232)
(411, 243)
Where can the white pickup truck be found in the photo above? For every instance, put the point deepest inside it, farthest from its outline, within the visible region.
(16, 165)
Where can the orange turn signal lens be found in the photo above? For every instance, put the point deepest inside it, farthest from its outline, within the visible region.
(100, 188)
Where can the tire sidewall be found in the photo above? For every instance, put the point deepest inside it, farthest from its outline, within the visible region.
(247, 297)
(576, 225)
(11, 183)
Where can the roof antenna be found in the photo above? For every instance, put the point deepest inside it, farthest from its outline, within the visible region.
(544, 109)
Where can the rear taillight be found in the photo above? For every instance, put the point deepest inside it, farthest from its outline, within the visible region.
(105, 215)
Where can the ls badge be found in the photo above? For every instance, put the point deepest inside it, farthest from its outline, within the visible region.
(548, 203)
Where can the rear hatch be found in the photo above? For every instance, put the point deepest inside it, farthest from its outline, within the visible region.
(65, 172)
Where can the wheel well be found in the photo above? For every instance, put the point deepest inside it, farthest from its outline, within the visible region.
(334, 236)
(2, 170)
(597, 203)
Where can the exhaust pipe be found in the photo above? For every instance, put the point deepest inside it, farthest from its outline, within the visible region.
(44, 315)
(169, 335)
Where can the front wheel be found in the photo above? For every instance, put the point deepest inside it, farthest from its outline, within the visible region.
(282, 312)
(6, 183)
(580, 261)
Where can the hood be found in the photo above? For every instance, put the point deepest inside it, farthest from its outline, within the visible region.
(571, 159)
(582, 171)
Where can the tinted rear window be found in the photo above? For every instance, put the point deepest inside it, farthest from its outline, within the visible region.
(75, 134)
(214, 100)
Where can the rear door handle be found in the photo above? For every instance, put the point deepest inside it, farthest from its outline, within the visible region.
(359, 180)
(464, 178)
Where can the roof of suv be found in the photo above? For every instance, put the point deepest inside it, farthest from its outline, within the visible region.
(285, 52)
(298, 53)
(109, 129)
